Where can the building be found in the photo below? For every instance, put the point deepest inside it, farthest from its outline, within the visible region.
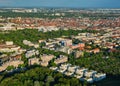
(15, 57)
(88, 79)
(54, 68)
(96, 50)
(71, 70)
(65, 49)
(31, 53)
(79, 73)
(78, 54)
(66, 42)
(3, 59)
(90, 73)
(61, 59)
(83, 74)
(29, 43)
(46, 57)
(99, 76)
(9, 48)
(10, 63)
(9, 42)
(33, 61)
(44, 63)
(80, 46)
(63, 68)
(40, 41)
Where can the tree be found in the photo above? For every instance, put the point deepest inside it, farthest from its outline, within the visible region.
(36, 83)
(42, 44)
(10, 68)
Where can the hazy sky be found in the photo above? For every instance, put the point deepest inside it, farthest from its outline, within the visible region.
(61, 3)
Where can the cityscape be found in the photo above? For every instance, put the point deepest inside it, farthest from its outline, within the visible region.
(59, 46)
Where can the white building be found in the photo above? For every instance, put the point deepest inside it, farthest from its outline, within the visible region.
(9, 42)
(88, 79)
(63, 67)
(80, 72)
(31, 53)
(54, 68)
(71, 70)
(99, 76)
(90, 73)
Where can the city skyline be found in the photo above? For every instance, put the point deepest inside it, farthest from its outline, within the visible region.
(61, 3)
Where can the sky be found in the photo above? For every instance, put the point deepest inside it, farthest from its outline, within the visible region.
(61, 3)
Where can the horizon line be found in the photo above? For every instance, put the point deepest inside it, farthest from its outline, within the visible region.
(59, 7)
